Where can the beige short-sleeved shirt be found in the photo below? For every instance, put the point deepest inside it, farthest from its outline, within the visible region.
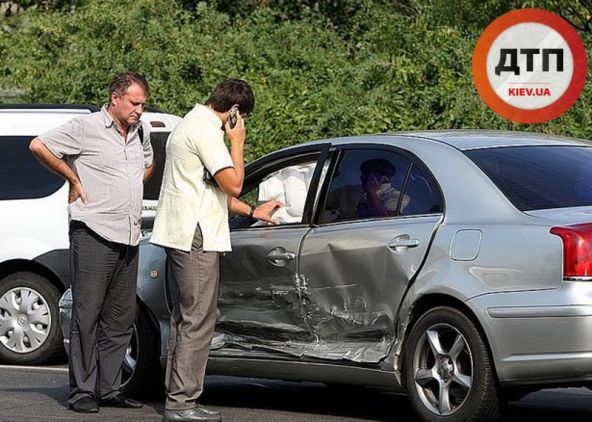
(186, 200)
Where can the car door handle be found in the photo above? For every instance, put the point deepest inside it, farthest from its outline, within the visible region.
(279, 256)
(403, 242)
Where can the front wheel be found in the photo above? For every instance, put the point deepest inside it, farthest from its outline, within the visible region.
(448, 371)
(142, 374)
(29, 329)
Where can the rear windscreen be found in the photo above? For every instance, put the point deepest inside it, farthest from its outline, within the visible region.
(539, 177)
(21, 175)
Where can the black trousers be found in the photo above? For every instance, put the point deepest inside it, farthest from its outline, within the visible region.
(104, 277)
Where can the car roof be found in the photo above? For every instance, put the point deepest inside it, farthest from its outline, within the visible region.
(33, 119)
(57, 106)
(474, 139)
(462, 139)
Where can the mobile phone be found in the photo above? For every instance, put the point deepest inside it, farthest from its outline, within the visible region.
(233, 116)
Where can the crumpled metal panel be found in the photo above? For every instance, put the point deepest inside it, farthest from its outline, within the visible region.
(355, 281)
(340, 301)
(353, 351)
(272, 320)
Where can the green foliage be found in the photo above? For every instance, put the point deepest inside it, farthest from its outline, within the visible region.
(318, 68)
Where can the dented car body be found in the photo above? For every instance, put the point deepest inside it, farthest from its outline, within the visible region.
(433, 263)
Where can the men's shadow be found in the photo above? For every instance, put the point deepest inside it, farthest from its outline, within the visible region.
(307, 397)
(370, 404)
(338, 400)
(568, 405)
(59, 395)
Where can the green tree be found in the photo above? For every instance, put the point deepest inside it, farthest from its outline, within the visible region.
(318, 70)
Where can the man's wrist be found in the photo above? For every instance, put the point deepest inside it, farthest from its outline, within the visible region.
(251, 212)
(238, 150)
(239, 142)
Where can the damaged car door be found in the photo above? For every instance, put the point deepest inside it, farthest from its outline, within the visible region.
(259, 302)
(374, 226)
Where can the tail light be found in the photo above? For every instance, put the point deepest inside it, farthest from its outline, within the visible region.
(577, 251)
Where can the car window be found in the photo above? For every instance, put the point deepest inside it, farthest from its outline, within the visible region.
(539, 177)
(366, 184)
(152, 186)
(22, 176)
(424, 197)
(288, 184)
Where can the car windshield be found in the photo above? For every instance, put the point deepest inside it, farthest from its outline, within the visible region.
(539, 177)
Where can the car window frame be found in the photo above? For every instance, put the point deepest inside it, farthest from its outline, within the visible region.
(158, 164)
(431, 179)
(45, 190)
(338, 150)
(282, 159)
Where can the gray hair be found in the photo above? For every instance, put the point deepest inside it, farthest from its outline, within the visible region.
(122, 81)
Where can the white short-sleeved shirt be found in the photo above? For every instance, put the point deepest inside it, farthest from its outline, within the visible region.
(110, 169)
(186, 200)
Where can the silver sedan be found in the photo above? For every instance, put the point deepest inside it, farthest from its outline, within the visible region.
(454, 266)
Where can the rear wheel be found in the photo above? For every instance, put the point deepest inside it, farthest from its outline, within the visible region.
(29, 327)
(142, 373)
(448, 371)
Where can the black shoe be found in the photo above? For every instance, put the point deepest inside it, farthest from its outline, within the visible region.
(197, 414)
(121, 401)
(85, 405)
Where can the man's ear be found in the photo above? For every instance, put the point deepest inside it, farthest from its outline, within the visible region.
(114, 97)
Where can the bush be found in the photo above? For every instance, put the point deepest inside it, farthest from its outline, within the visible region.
(317, 70)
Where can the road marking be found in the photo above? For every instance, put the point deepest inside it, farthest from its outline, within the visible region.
(34, 368)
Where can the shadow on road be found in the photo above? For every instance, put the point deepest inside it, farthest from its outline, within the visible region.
(244, 399)
(574, 405)
(310, 398)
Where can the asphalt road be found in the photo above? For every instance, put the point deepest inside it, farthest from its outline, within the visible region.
(40, 394)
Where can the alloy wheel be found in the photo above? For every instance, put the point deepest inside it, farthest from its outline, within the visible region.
(443, 369)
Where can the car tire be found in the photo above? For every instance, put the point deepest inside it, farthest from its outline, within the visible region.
(29, 320)
(142, 373)
(447, 369)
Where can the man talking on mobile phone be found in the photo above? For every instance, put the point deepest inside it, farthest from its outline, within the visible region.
(192, 225)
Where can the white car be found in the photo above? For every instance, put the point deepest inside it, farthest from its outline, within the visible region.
(34, 268)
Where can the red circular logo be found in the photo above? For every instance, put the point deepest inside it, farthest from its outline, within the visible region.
(529, 66)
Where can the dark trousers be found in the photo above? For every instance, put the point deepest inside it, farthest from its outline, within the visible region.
(193, 287)
(104, 300)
